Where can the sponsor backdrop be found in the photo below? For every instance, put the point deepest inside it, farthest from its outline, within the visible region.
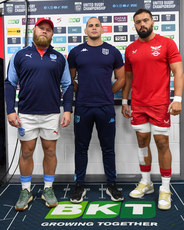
(69, 19)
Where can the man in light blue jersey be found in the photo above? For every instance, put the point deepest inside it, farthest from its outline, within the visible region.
(40, 71)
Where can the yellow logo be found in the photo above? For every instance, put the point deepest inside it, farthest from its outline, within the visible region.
(13, 31)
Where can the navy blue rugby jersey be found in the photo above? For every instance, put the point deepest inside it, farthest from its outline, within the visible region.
(95, 65)
(40, 79)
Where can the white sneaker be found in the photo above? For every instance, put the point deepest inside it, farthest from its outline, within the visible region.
(141, 189)
(164, 200)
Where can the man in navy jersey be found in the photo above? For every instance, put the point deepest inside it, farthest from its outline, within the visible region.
(94, 61)
(40, 71)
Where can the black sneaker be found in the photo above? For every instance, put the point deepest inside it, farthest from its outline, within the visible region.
(78, 193)
(113, 192)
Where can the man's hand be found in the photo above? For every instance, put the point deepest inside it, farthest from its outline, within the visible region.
(125, 111)
(66, 118)
(175, 108)
(14, 120)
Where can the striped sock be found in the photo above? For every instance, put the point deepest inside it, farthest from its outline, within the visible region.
(48, 180)
(26, 182)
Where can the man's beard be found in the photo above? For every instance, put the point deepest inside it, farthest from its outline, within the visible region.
(145, 34)
(41, 41)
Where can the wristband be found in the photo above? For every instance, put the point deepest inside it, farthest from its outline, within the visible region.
(177, 99)
(124, 101)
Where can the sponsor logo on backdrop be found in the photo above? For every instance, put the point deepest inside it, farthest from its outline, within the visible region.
(13, 49)
(74, 39)
(168, 17)
(168, 27)
(14, 40)
(96, 6)
(106, 38)
(13, 21)
(121, 47)
(59, 30)
(155, 28)
(55, 7)
(59, 39)
(147, 4)
(13, 31)
(78, 6)
(30, 31)
(60, 49)
(156, 18)
(133, 37)
(31, 21)
(120, 19)
(9, 8)
(120, 38)
(169, 36)
(105, 19)
(74, 30)
(74, 20)
(120, 28)
(107, 29)
(58, 20)
(132, 5)
(159, 5)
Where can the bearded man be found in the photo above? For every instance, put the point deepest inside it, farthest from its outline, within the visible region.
(40, 71)
(148, 63)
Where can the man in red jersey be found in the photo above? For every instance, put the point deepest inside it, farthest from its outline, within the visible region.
(148, 63)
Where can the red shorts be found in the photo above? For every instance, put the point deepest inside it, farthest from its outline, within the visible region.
(156, 115)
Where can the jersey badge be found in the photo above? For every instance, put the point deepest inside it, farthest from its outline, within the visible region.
(134, 51)
(84, 50)
(105, 51)
(76, 118)
(21, 132)
(29, 55)
(155, 50)
(53, 56)
(112, 120)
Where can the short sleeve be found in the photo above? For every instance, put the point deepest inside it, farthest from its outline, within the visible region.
(173, 52)
(118, 59)
(71, 59)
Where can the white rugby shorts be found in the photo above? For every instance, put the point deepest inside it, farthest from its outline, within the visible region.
(46, 126)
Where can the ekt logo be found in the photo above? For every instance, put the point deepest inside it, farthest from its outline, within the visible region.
(103, 210)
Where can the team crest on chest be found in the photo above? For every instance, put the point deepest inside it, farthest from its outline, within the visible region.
(53, 56)
(105, 51)
(155, 50)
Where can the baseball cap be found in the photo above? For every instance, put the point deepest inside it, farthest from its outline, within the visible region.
(45, 20)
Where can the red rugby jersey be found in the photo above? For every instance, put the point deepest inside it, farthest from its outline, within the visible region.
(149, 62)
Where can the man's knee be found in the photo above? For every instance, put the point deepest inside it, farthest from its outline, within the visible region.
(50, 152)
(26, 154)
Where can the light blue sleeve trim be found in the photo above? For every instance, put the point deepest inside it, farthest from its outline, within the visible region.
(66, 78)
(12, 74)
